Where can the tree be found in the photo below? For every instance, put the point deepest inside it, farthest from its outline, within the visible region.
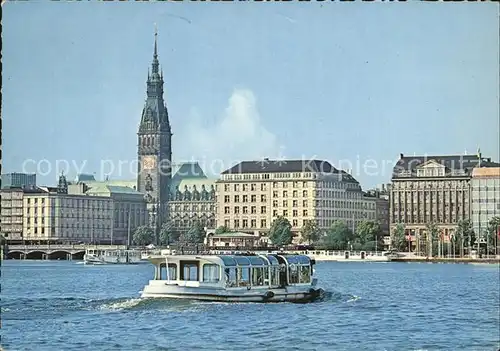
(166, 234)
(399, 241)
(222, 229)
(494, 234)
(465, 234)
(432, 237)
(195, 234)
(338, 237)
(310, 231)
(368, 235)
(143, 235)
(280, 233)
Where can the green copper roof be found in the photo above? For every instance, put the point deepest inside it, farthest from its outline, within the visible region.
(234, 235)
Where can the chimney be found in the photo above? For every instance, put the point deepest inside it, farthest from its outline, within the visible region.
(401, 155)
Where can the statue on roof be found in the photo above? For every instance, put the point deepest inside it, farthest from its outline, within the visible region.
(187, 194)
(204, 192)
(212, 192)
(178, 194)
(196, 193)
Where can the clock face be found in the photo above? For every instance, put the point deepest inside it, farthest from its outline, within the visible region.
(148, 162)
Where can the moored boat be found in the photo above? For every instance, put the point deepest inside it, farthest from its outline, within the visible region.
(234, 278)
(111, 256)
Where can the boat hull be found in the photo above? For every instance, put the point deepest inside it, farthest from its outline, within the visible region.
(297, 295)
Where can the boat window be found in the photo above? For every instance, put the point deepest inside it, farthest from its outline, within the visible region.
(305, 274)
(172, 271)
(243, 276)
(228, 260)
(293, 274)
(189, 271)
(273, 260)
(257, 261)
(258, 276)
(211, 273)
(275, 276)
(242, 260)
(231, 280)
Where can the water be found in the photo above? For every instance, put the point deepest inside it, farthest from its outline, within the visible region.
(371, 306)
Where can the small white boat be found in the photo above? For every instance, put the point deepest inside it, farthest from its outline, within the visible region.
(234, 278)
(111, 256)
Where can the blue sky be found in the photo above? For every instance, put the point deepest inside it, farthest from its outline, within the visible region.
(347, 82)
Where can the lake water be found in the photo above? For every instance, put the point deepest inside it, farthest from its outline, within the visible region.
(61, 305)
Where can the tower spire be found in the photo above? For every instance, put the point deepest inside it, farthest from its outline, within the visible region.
(155, 54)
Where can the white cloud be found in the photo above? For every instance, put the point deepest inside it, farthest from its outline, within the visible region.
(238, 135)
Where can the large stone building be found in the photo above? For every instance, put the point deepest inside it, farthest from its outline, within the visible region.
(252, 194)
(155, 148)
(71, 213)
(432, 189)
(485, 194)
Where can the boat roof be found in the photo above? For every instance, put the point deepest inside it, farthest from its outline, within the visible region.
(237, 260)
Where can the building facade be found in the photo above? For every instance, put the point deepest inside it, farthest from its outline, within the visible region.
(380, 200)
(485, 194)
(432, 189)
(71, 213)
(11, 214)
(18, 180)
(52, 216)
(155, 148)
(252, 194)
(129, 211)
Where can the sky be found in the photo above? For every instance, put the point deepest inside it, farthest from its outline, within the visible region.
(353, 83)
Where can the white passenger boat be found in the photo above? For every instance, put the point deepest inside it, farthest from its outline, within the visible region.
(234, 278)
(111, 256)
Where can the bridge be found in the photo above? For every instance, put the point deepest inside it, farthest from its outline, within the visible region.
(53, 252)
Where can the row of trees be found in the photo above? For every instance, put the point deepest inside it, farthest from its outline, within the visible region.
(431, 242)
(339, 236)
(145, 235)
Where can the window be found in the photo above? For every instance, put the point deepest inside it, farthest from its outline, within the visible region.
(231, 280)
(293, 274)
(258, 276)
(211, 273)
(263, 223)
(189, 271)
(263, 209)
(253, 187)
(254, 198)
(226, 198)
(305, 274)
(243, 274)
(172, 271)
(263, 198)
(263, 187)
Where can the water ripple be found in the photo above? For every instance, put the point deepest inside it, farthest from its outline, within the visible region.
(63, 306)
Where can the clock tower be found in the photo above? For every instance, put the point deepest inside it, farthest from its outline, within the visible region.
(155, 148)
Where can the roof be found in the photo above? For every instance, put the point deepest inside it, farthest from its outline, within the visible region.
(486, 172)
(82, 177)
(127, 183)
(286, 166)
(112, 189)
(450, 162)
(234, 235)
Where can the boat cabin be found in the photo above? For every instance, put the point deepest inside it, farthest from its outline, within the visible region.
(235, 271)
